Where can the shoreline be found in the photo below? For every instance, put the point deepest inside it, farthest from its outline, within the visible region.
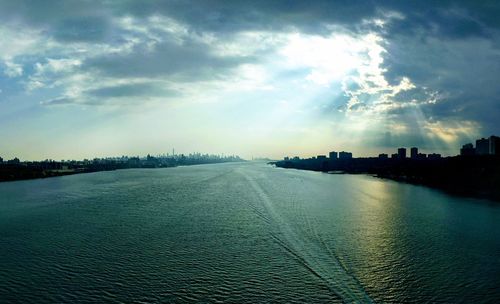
(473, 177)
(21, 173)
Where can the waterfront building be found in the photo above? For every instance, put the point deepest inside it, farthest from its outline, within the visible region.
(467, 150)
(434, 156)
(394, 155)
(383, 156)
(414, 153)
(422, 156)
(287, 158)
(345, 155)
(494, 145)
(333, 155)
(483, 146)
(14, 161)
(488, 146)
(321, 157)
(402, 153)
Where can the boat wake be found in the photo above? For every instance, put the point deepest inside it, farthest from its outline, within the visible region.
(312, 253)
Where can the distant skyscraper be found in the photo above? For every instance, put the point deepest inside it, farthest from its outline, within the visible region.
(482, 146)
(383, 156)
(333, 155)
(414, 153)
(402, 153)
(345, 155)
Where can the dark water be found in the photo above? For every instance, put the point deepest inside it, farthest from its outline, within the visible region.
(243, 233)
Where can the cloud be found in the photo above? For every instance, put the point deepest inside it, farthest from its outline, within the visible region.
(12, 69)
(132, 90)
(412, 68)
(56, 65)
(81, 29)
(189, 61)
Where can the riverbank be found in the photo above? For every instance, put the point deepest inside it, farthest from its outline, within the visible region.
(474, 176)
(26, 171)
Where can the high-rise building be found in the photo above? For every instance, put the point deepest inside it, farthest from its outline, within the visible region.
(483, 146)
(467, 150)
(402, 153)
(333, 155)
(383, 156)
(345, 155)
(414, 153)
(321, 157)
(494, 145)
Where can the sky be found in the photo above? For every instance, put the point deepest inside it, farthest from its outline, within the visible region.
(84, 79)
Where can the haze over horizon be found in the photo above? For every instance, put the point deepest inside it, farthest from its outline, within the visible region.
(82, 79)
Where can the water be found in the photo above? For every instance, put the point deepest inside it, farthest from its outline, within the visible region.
(243, 233)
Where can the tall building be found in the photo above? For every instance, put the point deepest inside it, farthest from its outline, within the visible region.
(402, 153)
(483, 146)
(494, 145)
(333, 155)
(345, 155)
(414, 153)
(467, 150)
(383, 156)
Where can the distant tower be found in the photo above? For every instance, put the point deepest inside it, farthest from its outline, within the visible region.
(414, 153)
(333, 155)
(402, 153)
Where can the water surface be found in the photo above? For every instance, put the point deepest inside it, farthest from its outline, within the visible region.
(244, 232)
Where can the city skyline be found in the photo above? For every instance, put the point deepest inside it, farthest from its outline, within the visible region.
(93, 79)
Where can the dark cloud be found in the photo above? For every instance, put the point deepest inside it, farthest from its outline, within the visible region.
(463, 73)
(132, 90)
(188, 61)
(58, 101)
(447, 47)
(233, 16)
(220, 16)
(50, 13)
(443, 17)
(87, 29)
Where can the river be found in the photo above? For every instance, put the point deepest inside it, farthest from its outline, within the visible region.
(243, 233)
